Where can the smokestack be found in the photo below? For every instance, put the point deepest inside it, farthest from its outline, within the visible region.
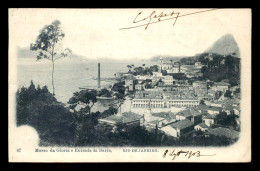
(98, 75)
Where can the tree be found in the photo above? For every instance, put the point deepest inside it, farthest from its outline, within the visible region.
(154, 68)
(221, 117)
(39, 109)
(104, 92)
(228, 94)
(164, 72)
(129, 67)
(119, 87)
(85, 97)
(48, 44)
(202, 102)
(148, 86)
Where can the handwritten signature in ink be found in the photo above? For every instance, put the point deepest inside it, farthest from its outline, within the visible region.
(153, 18)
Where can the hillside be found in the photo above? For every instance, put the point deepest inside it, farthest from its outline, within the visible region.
(27, 53)
(224, 45)
(221, 61)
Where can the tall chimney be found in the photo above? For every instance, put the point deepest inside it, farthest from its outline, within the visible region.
(98, 75)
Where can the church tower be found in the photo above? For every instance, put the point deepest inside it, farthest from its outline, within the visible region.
(160, 65)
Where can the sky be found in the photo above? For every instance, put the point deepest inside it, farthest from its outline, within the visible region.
(95, 33)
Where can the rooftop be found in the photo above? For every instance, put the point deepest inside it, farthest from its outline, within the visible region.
(210, 116)
(203, 125)
(206, 107)
(201, 82)
(221, 84)
(124, 118)
(165, 85)
(182, 124)
(155, 122)
(188, 112)
(165, 115)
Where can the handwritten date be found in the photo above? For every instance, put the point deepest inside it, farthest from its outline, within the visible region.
(187, 154)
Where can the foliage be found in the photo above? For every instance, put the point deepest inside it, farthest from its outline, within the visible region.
(48, 44)
(148, 86)
(119, 89)
(120, 135)
(86, 97)
(228, 94)
(202, 102)
(40, 109)
(226, 120)
(142, 70)
(104, 92)
(218, 67)
(178, 76)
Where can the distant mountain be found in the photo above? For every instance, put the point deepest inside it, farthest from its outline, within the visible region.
(167, 58)
(27, 53)
(224, 45)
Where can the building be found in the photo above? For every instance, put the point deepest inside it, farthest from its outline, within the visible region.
(198, 65)
(221, 86)
(175, 69)
(168, 117)
(130, 84)
(179, 128)
(129, 119)
(141, 78)
(199, 85)
(213, 93)
(181, 88)
(209, 120)
(216, 104)
(191, 114)
(167, 80)
(206, 98)
(159, 122)
(157, 74)
(202, 127)
(160, 102)
(164, 65)
(209, 109)
(186, 68)
(229, 109)
(139, 87)
(193, 74)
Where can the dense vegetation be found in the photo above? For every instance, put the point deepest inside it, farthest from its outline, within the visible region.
(38, 108)
(142, 70)
(217, 67)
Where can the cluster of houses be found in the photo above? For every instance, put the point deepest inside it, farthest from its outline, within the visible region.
(177, 107)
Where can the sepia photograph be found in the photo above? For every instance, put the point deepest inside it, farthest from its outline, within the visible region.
(129, 85)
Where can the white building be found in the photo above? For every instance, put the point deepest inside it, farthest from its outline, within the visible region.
(158, 102)
(202, 126)
(209, 120)
(221, 86)
(198, 65)
(173, 70)
(168, 80)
